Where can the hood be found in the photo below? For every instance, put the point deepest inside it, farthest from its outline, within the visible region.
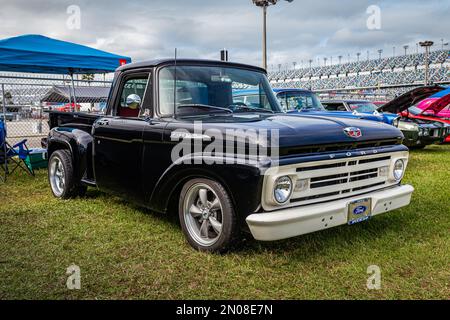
(296, 130)
(435, 106)
(380, 117)
(341, 114)
(409, 98)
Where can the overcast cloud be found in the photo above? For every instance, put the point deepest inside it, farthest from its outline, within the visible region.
(301, 30)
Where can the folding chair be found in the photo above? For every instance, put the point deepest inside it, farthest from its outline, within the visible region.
(13, 157)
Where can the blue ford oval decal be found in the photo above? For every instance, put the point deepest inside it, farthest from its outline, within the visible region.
(359, 210)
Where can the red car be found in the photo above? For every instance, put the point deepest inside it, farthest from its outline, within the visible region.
(68, 107)
(405, 105)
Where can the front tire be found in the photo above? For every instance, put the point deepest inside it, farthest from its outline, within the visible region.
(61, 176)
(207, 216)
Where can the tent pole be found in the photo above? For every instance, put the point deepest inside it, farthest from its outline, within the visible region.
(74, 96)
(4, 103)
(70, 92)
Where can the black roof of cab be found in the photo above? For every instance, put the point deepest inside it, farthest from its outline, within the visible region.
(171, 61)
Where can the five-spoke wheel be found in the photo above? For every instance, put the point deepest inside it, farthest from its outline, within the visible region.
(206, 215)
(57, 176)
(63, 182)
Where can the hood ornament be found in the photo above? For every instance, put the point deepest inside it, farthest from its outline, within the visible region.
(353, 132)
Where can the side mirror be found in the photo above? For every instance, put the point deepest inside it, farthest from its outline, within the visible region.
(133, 101)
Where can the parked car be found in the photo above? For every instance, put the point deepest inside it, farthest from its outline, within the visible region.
(417, 135)
(440, 108)
(319, 173)
(68, 107)
(306, 102)
(432, 128)
(359, 107)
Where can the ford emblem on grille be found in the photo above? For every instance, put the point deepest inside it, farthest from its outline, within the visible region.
(353, 132)
(359, 210)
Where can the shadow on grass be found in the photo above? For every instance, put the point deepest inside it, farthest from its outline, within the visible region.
(299, 248)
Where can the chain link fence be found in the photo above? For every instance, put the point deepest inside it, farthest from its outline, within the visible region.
(26, 99)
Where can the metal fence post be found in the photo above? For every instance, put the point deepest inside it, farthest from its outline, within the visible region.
(4, 104)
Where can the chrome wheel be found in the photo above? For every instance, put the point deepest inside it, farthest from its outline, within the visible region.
(57, 176)
(202, 212)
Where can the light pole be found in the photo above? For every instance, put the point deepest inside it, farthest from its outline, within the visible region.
(393, 51)
(426, 45)
(357, 56)
(406, 48)
(264, 4)
(340, 59)
(380, 51)
(294, 64)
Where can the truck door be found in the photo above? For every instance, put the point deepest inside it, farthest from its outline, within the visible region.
(118, 138)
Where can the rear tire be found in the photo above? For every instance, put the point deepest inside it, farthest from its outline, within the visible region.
(207, 216)
(61, 176)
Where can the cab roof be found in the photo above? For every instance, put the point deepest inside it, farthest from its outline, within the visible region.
(171, 61)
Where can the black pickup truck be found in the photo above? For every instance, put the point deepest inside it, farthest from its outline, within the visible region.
(176, 139)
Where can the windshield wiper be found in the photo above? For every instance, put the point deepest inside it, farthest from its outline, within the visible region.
(251, 108)
(204, 106)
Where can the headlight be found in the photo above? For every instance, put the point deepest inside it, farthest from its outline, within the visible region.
(396, 121)
(399, 169)
(282, 189)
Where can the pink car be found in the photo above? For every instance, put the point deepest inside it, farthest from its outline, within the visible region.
(437, 105)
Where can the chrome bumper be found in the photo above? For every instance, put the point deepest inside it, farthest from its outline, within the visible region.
(296, 221)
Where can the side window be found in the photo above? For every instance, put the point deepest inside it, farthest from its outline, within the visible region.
(341, 107)
(132, 96)
(297, 102)
(334, 107)
(281, 97)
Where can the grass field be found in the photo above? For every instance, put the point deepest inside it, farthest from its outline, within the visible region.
(126, 252)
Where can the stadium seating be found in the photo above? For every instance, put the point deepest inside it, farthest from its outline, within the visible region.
(401, 71)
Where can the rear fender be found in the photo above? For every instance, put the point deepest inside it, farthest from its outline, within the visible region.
(79, 143)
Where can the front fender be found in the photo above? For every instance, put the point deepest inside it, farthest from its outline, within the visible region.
(78, 142)
(243, 183)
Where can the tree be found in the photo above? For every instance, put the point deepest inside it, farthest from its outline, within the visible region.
(88, 77)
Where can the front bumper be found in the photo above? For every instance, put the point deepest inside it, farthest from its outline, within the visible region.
(296, 221)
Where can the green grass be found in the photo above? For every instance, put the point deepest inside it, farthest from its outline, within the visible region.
(126, 252)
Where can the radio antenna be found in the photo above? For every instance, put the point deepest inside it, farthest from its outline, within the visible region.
(175, 87)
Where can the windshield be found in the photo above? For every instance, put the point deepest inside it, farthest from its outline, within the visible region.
(362, 106)
(209, 89)
(299, 101)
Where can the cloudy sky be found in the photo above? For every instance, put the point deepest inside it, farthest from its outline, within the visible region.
(301, 30)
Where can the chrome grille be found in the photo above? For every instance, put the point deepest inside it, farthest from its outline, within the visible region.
(342, 178)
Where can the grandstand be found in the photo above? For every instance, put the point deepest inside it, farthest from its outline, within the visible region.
(385, 77)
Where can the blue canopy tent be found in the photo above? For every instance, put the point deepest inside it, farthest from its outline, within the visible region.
(40, 54)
